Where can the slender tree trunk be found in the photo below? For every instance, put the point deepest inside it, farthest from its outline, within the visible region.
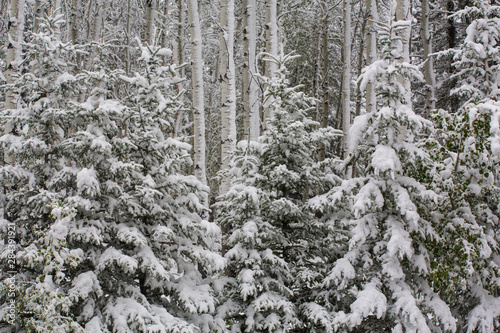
(149, 30)
(360, 65)
(73, 24)
(325, 105)
(127, 40)
(270, 67)
(14, 48)
(198, 94)
(403, 14)
(250, 88)
(346, 75)
(371, 51)
(430, 78)
(38, 11)
(228, 87)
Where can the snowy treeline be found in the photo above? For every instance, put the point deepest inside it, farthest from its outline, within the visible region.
(172, 166)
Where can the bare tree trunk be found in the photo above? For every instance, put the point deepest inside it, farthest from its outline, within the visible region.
(371, 51)
(360, 65)
(127, 40)
(73, 21)
(430, 78)
(198, 94)
(251, 126)
(149, 30)
(14, 48)
(325, 109)
(270, 67)
(403, 14)
(38, 10)
(346, 75)
(228, 87)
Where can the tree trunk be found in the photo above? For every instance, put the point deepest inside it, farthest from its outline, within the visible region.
(197, 94)
(149, 30)
(270, 67)
(73, 22)
(360, 65)
(325, 109)
(371, 51)
(403, 14)
(346, 75)
(38, 12)
(251, 125)
(14, 49)
(430, 78)
(228, 87)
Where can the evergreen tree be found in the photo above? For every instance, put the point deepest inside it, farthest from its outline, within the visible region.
(466, 151)
(110, 236)
(269, 242)
(379, 281)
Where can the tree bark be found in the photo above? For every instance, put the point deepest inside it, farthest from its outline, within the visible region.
(149, 29)
(198, 93)
(403, 14)
(73, 22)
(430, 78)
(371, 51)
(251, 125)
(346, 75)
(14, 49)
(325, 109)
(228, 87)
(270, 67)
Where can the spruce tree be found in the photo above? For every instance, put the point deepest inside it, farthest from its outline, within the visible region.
(109, 228)
(269, 243)
(378, 282)
(466, 152)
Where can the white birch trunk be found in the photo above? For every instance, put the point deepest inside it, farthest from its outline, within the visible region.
(73, 24)
(346, 74)
(198, 94)
(14, 48)
(37, 14)
(250, 88)
(430, 78)
(228, 87)
(371, 52)
(270, 67)
(149, 30)
(403, 14)
(325, 107)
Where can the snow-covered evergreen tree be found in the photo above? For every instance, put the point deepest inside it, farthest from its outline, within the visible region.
(269, 239)
(466, 151)
(379, 281)
(109, 231)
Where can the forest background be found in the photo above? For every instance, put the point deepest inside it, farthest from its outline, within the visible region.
(250, 166)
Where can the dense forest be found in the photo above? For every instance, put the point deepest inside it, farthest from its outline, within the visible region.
(250, 166)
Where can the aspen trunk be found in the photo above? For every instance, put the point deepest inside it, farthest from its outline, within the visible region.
(15, 35)
(251, 125)
(227, 86)
(403, 14)
(14, 48)
(149, 29)
(270, 67)
(324, 80)
(371, 51)
(127, 40)
(39, 8)
(346, 75)
(73, 22)
(430, 79)
(198, 94)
